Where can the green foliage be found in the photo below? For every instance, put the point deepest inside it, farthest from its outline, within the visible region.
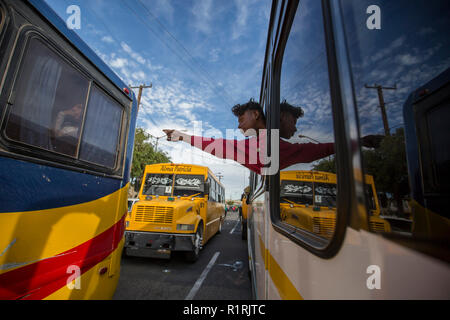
(144, 154)
(326, 165)
(387, 165)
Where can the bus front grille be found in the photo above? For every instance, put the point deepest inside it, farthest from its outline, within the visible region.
(324, 226)
(154, 214)
(378, 226)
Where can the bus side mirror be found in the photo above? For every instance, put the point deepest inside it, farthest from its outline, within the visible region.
(206, 188)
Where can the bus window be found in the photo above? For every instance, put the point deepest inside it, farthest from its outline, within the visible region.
(306, 126)
(325, 195)
(101, 130)
(299, 192)
(401, 91)
(188, 185)
(158, 184)
(48, 101)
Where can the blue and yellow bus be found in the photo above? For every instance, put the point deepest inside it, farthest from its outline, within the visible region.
(66, 143)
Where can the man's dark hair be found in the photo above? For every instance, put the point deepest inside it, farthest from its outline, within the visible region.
(297, 112)
(240, 109)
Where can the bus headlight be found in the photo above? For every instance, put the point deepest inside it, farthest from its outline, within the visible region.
(185, 227)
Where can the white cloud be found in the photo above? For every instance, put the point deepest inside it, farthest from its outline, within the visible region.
(202, 11)
(240, 25)
(108, 39)
(136, 56)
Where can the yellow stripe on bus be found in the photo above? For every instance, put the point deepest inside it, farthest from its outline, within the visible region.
(284, 286)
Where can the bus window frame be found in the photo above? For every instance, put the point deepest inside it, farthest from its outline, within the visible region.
(20, 150)
(338, 73)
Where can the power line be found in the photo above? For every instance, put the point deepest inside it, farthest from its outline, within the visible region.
(205, 78)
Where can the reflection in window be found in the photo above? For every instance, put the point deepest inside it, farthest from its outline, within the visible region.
(388, 65)
(306, 127)
(101, 130)
(49, 101)
(298, 192)
(325, 194)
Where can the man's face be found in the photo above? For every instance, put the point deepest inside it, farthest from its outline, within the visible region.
(248, 121)
(287, 125)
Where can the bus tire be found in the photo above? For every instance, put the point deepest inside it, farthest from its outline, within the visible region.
(219, 231)
(244, 230)
(193, 255)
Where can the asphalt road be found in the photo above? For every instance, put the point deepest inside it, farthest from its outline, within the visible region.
(220, 273)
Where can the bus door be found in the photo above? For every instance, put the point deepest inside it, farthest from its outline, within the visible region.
(258, 238)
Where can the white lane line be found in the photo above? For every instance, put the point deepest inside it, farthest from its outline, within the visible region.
(232, 230)
(202, 277)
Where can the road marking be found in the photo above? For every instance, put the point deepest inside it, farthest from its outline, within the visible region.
(232, 230)
(202, 277)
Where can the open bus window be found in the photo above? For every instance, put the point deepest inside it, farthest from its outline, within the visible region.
(189, 185)
(306, 127)
(158, 184)
(49, 101)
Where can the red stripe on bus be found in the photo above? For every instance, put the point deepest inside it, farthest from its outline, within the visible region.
(40, 279)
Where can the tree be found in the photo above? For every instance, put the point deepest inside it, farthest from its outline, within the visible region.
(326, 165)
(144, 154)
(387, 164)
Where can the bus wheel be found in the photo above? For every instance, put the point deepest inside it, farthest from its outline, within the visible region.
(244, 230)
(220, 226)
(192, 256)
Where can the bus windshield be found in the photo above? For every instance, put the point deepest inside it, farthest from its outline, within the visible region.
(325, 194)
(299, 192)
(158, 184)
(189, 185)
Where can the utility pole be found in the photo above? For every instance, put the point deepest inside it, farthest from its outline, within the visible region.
(141, 87)
(382, 104)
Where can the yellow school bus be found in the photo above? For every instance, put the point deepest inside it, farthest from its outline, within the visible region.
(308, 201)
(180, 207)
(244, 212)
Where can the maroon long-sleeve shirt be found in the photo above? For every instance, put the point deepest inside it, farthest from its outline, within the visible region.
(248, 153)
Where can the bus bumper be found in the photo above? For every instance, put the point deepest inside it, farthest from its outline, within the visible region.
(156, 245)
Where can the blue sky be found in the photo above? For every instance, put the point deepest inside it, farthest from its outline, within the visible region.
(201, 56)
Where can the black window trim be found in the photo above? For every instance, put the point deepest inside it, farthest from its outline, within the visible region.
(20, 150)
(319, 246)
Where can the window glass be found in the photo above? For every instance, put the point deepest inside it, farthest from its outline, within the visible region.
(49, 102)
(188, 185)
(396, 54)
(101, 130)
(306, 127)
(158, 184)
(298, 192)
(325, 194)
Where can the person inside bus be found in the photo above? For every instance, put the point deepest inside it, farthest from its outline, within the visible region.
(252, 123)
(67, 130)
(68, 122)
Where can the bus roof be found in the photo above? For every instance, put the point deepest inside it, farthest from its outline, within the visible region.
(317, 176)
(52, 17)
(180, 168)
